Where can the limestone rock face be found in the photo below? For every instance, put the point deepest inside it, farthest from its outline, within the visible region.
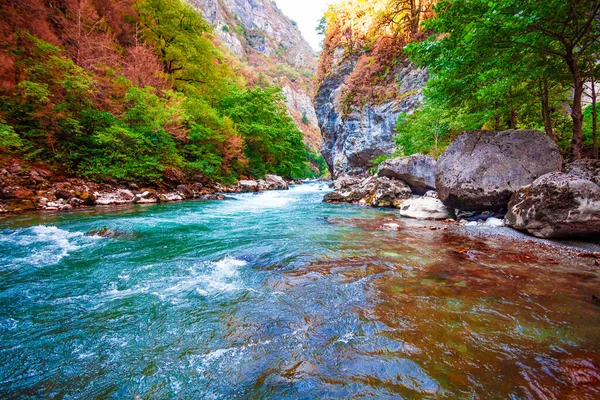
(257, 33)
(354, 136)
(425, 208)
(481, 170)
(556, 205)
(418, 171)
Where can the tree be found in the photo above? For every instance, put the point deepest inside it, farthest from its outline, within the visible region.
(561, 33)
(182, 38)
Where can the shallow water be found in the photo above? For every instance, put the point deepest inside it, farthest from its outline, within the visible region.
(278, 295)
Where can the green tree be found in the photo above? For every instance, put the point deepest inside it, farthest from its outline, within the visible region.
(508, 46)
(183, 40)
(273, 143)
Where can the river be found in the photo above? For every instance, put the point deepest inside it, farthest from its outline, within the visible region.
(278, 295)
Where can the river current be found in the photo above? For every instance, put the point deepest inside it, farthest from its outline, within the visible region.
(278, 295)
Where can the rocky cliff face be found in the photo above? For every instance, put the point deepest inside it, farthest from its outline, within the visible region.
(354, 135)
(259, 34)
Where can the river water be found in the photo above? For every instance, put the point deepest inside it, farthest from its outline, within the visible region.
(278, 295)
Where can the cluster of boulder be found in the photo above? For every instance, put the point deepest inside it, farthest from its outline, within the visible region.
(33, 188)
(518, 175)
(404, 183)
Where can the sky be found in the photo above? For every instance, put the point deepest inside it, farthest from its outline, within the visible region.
(307, 14)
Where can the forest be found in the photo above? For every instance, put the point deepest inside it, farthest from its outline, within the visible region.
(492, 65)
(124, 90)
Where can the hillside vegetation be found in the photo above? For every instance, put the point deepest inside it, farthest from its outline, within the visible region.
(126, 90)
(492, 65)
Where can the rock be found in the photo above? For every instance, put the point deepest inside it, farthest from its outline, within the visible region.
(185, 191)
(390, 192)
(275, 182)
(173, 175)
(247, 186)
(146, 197)
(86, 196)
(354, 135)
(494, 222)
(556, 205)
(345, 181)
(432, 194)
(16, 193)
(425, 208)
(18, 205)
(418, 171)
(371, 191)
(170, 197)
(109, 233)
(481, 170)
(121, 196)
(75, 202)
(334, 197)
(391, 226)
(585, 169)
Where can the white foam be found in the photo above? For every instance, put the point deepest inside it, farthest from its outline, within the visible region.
(210, 278)
(260, 202)
(50, 244)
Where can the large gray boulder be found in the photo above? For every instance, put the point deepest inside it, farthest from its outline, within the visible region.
(481, 170)
(556, 205)
(275, 182)
(418, 171)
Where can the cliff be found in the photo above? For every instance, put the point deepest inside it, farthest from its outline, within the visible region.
(258, 34)
(365, 82)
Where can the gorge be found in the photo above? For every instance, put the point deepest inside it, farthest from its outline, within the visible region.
(194, 203)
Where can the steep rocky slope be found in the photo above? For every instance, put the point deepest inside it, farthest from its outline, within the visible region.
(354, 135)
(365, 80)
(261, 36)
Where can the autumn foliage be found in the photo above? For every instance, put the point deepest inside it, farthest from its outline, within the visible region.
(373, 34)
(126, 89)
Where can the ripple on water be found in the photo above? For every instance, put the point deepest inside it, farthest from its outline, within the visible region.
(40, 246)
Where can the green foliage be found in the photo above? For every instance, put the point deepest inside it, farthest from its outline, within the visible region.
(102, 126)
(182, 38)
(273, 143)
(8, 138)
(489, 59)
(317, 160)
(305, 120)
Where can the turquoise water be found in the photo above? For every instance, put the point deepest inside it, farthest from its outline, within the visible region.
(278, 295)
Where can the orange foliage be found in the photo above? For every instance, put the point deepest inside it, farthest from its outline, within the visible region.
(373, 34)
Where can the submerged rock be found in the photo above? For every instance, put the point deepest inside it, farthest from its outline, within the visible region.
(109, 233)
(556, 205)
(425, 208)
(418, 171)
(481, 170)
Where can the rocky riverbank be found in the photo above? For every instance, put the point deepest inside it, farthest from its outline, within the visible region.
(29, 188)
(511, 178)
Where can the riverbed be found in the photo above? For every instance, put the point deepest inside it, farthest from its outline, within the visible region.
(279, 295)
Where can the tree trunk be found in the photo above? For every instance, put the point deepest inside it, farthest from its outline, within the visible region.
(594, 118)
(577, 109)
(546, 113)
